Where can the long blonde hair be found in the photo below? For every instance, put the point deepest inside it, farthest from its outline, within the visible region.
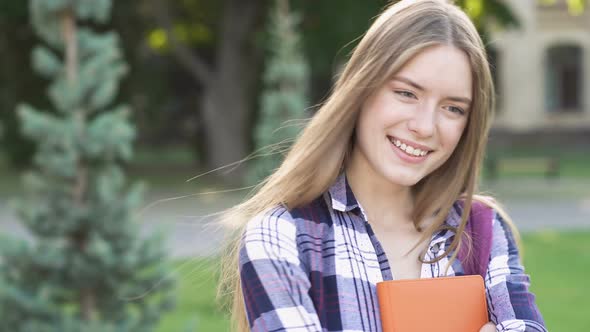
(317, 157)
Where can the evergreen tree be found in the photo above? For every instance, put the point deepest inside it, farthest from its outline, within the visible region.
(87, 269)
(285, 91)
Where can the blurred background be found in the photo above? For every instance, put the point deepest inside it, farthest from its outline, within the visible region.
(126, 126)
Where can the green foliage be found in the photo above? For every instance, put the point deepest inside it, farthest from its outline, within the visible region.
(46, 62)
(100, 70)
(485, 12)
(330, 33)
(285, 91)
(196, 24)
(575, 7)
(87, 268)
(44, 13)
(110, 136)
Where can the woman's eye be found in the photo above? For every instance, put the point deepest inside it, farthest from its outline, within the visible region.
(406, 94)
(456, 110)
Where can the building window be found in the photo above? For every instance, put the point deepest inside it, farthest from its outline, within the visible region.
(563, 78)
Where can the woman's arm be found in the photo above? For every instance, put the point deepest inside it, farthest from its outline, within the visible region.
(511, 305)
(274, 282)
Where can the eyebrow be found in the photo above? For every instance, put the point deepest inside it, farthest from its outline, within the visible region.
(421, 88)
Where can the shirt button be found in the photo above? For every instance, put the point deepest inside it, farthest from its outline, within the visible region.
(435, 248)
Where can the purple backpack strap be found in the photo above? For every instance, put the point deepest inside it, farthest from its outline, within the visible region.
(479, 227)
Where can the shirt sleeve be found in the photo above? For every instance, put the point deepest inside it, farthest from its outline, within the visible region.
(274, 282)
(510, 303)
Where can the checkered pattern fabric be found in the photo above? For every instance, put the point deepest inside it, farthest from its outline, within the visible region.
(315, 268)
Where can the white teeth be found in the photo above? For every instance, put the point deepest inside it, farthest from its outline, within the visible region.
(409, 149)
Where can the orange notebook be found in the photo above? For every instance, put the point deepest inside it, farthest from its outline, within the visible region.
(448, 304)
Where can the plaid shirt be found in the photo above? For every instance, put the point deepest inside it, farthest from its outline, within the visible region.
(315, 268)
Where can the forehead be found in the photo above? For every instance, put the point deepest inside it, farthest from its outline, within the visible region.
(442, 69)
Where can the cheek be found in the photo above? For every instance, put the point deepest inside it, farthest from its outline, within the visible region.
(360, 138)
(367, 123)
(452, 135)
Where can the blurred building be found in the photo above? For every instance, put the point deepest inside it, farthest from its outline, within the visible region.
(543, 71)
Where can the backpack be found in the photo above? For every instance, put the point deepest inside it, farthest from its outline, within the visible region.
(479, 228)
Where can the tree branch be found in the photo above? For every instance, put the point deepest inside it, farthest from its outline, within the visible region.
(68, 25)
(192, 62)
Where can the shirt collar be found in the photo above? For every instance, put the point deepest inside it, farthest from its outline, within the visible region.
(342, 196)
(343, 200)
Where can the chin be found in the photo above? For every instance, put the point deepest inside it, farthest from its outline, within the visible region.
(404, 180)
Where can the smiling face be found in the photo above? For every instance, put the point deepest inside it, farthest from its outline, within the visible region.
(412, 124)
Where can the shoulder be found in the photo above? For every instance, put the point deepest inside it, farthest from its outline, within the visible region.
(291, 221)
(272, 215)
(505, 235)
(481, 206)
(280, 227)
(502, 224)
(268, 226)
(485, 209)
(268, 237)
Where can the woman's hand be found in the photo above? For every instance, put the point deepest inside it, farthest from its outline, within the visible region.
(489, 327)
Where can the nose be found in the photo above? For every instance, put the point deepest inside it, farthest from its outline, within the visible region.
(423, 121)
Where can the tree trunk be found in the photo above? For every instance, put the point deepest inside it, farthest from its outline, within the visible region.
(227, 108)
(69, 30)
(226, 115)
(227, 85)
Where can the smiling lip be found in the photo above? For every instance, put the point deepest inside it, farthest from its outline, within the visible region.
(405, 156)
(412, 144)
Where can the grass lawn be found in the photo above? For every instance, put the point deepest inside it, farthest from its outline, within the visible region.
(196, 308)
(558, 263)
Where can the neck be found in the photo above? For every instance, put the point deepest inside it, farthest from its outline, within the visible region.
(385, 203)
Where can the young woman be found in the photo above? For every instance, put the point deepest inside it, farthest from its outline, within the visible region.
(379, 186)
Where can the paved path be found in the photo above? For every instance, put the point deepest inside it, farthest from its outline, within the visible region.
(191, 233)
